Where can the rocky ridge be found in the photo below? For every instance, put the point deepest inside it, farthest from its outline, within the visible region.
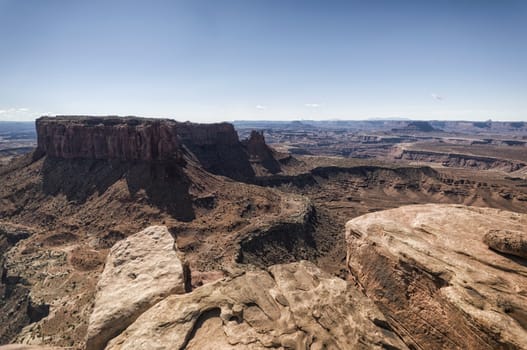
(430, 272)
(292, 306)
(86, 203)
(81, 207)
(461, 160)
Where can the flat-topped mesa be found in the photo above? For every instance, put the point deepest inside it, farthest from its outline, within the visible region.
(125, 138)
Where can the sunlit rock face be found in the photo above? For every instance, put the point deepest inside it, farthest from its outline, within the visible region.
(108, 138)
(291, 306)
(430, 270)
(215, 146)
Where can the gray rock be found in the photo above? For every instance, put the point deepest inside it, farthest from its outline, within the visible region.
(139, 272)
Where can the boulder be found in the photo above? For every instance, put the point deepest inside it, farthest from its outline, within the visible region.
(293, 306)
(508, 242)
(430, 272)
(140, 271)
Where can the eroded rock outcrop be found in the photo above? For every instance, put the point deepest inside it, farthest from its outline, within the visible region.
(15, 301)
(215, 146)
(81, 137)
(508, 242)
(416, 126)
(140, 271)
(456, 160)
(294, 306)
(430, 272)
(260, 153)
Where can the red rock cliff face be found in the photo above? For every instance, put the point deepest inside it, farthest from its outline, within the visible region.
(207, 134)
(215, 146)
(108, 138)
(259, 152)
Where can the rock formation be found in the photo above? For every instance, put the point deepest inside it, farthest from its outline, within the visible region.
(260, 153)
(215, 146)
(108, 138)
(140, 271)
(449, 159)
(416, 126)
(15, 300)
(81, 207)
(508, 242)
(430, 272)
(294, 306)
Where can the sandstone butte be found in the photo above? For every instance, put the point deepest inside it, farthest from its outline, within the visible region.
(431, 272)
(126, 138)
(215, 146)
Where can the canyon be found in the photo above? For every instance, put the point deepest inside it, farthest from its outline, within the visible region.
(126, 232)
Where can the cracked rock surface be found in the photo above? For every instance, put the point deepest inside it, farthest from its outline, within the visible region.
(431, 273)
(291, 306)
(140, 271)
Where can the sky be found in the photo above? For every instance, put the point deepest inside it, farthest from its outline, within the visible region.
(223, 60)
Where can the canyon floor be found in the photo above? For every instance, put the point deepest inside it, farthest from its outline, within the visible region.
(263, 257)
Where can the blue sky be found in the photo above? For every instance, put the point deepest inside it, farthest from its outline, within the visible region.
(264, 59)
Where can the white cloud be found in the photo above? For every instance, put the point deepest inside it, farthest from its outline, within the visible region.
(312, 105)
(437, 97)
(17, 114)
(260, 107)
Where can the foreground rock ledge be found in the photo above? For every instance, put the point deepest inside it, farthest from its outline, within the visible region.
(429, 270)
(293, 306)
(139, 272)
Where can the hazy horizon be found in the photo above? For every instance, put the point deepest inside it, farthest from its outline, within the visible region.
(394, 119)
(207, 61)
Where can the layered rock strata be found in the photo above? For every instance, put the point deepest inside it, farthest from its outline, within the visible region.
(429, 270)
(108, 138)
(215, 146)
(462, 160)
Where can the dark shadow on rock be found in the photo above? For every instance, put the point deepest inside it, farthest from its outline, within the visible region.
(164, 182)
(166, 186)
(226, 160)
(516, 259)
(259, 152)
(78, 179)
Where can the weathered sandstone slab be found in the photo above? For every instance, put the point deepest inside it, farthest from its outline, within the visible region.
(293, 306)
(430, 272)
(140, 271)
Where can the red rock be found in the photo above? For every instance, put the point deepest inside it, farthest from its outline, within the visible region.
(108, 138)
(215, 146)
